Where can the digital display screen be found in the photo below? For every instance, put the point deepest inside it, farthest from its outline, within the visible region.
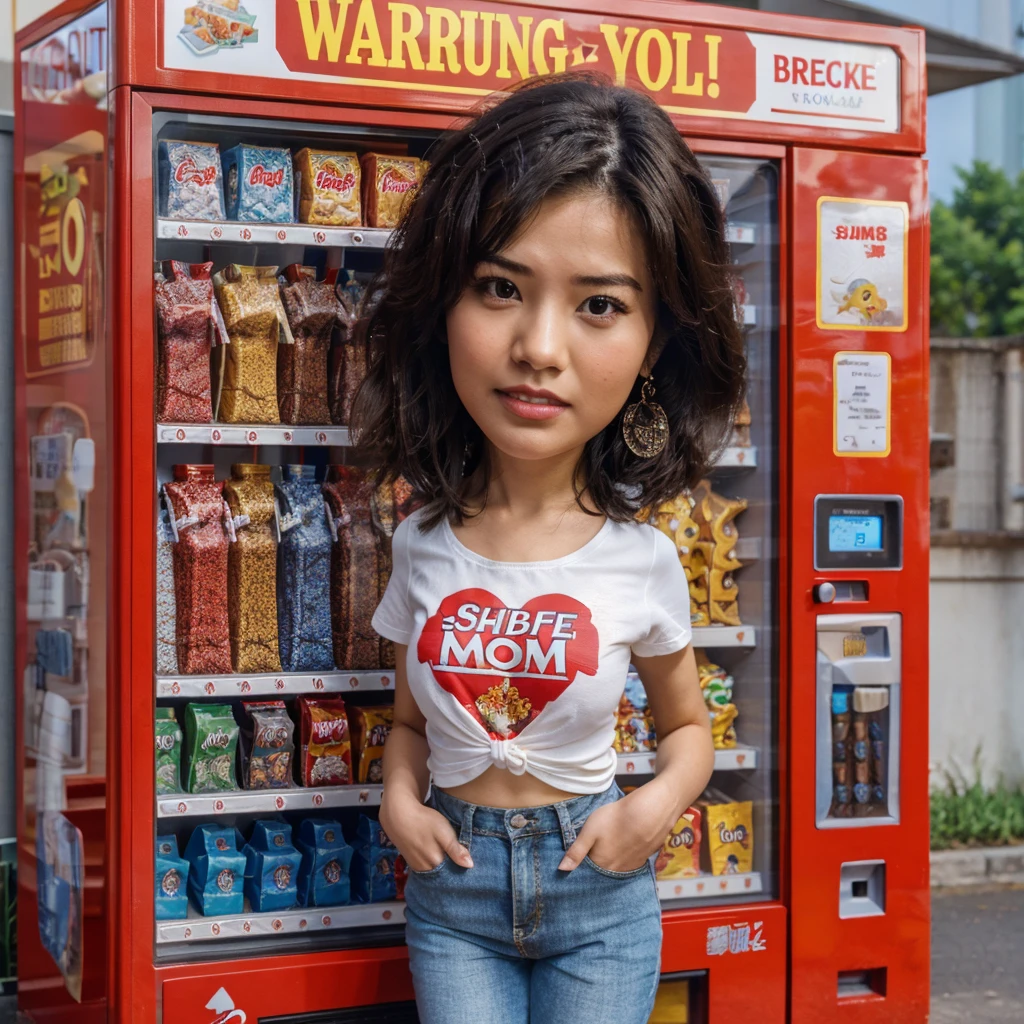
(855, 533)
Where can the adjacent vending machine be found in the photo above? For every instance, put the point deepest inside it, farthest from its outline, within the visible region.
(204, 190)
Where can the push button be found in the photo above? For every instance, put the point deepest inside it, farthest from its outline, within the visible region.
(518, 820)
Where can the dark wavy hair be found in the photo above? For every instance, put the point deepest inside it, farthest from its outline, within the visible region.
(554, 137)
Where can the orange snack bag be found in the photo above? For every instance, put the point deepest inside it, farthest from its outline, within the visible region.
(330, 187)
(679, 857)
(388, 184)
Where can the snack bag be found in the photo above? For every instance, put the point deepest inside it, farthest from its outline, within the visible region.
(258, 184)
(324, 873)
(171, 880)
(373, 865)
(388, 184)
(271, 867)
(326, 749)
(191, 185)
(634, 723)
(370, 730)
(168, 752)
(216, 873)
(211, 741)
(728, 841)
(679, 857)
(268, 746)
(717, 686)
(329, 187)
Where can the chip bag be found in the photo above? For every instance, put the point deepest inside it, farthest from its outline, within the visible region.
(268, 745)
(330, 186)
(326, 748)
(679, 857)
(388, 184)
(168, 751)
(370, 730)
(211, 741)
(728, 839)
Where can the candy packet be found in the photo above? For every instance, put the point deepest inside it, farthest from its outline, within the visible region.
(373, 863)
(258, 184)
(268, 745)
(216, 870)
(171, 880)
(330, 185)
(324, 873)
(326, 749)
(190, 180)
(271, 867)
(728, 840)
(370, 730)
(679, 856)
(168, 751)
(211, 740)
(388, 185)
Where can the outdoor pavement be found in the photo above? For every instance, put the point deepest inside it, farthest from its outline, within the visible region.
(978, 955)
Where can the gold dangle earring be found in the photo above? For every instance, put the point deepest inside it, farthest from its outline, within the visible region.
(645, 425)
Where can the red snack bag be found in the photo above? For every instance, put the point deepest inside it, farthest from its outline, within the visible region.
(370, 730)
(326, 750)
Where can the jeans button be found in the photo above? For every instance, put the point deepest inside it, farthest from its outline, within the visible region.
(518, 821)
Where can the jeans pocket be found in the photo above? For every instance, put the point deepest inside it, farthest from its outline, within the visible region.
(431, 871)
(644, 868)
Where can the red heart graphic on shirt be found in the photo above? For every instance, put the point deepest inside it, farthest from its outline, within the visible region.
(504, 665)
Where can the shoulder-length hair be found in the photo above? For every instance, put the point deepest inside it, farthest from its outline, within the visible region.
(555, 137)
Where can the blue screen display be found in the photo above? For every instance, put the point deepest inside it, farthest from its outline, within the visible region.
(855, 533)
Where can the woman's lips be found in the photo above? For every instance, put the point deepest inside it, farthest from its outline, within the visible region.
(532, 405)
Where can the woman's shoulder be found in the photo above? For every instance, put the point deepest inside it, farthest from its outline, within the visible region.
(409, 534)
(641, 540)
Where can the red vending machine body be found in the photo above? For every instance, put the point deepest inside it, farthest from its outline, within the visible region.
(812, 132)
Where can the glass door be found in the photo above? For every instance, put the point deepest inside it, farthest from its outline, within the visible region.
(723, 849)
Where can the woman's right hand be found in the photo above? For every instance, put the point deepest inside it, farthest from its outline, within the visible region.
(424, 837)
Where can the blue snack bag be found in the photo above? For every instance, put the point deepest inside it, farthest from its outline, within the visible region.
(258, 184)
(216, 870)
(326, 857)
(373, 864)
(271, 867)
(171, 880)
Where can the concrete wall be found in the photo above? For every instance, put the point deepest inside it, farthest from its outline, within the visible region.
(977, 660)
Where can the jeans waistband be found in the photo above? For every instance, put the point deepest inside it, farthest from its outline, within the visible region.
(566, 816)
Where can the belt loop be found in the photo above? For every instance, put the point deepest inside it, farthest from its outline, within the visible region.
(466, 831)
(565, 823)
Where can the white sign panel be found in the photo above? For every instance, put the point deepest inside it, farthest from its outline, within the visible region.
(830, 85)
(862, 384)
(862, 264)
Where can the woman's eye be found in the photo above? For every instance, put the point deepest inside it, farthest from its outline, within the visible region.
(497, 288)
(601, 306)
(504, 289)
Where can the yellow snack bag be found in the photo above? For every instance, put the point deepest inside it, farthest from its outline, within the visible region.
(679, 857)
(728, 847)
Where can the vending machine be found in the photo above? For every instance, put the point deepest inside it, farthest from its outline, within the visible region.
(204, 190)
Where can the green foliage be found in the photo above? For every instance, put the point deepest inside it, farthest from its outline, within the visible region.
(977, 259)
(965, 813)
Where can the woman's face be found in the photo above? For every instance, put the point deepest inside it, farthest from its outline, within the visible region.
(548, 339)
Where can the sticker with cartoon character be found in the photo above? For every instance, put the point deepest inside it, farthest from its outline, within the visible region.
(862, 264)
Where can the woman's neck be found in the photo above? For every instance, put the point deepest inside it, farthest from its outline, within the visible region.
(528, 488)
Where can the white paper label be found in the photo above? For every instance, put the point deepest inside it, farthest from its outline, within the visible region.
(862, 265)
(862, 385)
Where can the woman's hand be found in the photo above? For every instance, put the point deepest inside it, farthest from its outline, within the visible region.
(622, 835)
(423, 836)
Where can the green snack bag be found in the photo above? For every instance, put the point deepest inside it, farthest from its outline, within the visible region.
(168, 752)
(212, 739)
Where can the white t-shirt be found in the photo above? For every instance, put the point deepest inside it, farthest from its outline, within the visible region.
(522, 664)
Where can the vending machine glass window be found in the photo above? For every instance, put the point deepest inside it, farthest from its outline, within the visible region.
(724, 850)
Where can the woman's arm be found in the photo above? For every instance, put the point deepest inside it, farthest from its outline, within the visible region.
(423, 836)
(621, 836)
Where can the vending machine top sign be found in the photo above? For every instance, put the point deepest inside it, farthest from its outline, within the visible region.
(467, 53)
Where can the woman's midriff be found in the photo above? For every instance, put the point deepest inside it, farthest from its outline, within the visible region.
(498, 787)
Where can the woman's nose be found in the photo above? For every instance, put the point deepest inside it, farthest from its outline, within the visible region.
(539, 340)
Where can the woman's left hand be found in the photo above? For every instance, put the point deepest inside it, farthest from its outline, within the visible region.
(622, 835)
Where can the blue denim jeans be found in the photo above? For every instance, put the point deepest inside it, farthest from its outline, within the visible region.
(513, 940)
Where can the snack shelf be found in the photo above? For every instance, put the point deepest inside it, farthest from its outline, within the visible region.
(256, 233)
(286, 684)
(270, 801)
(247, 434)
(724, 636)
(741, 234)
(739, 758)
(704, 886)
(735, 457)
(196, 928)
